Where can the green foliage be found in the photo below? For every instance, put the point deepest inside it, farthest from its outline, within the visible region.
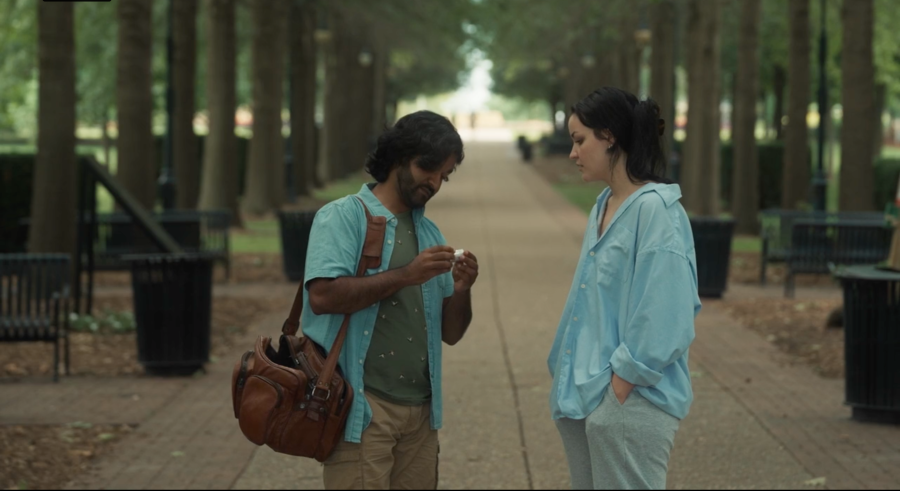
(18, 65)
(96, 45)
(110, 322)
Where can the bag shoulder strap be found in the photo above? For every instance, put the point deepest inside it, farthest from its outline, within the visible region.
(371, 258)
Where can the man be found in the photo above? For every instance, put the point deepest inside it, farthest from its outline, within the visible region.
(401, 312)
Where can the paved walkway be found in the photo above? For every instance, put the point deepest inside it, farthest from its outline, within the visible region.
(757, 422)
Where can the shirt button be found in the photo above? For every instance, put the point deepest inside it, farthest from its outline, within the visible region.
(576, 318)
(366, 333)
(390, 242)
(568, 352)
(360, 391)
(582, 285)
(592, 253)
(360, 361)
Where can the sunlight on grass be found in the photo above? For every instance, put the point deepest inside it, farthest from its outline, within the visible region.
(342, 187)
(256, 244)
(263, 236)
(746, 243)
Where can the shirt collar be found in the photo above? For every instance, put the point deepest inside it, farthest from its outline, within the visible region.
(376, 208)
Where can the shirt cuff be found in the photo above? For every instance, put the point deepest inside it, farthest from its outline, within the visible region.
(632, 371)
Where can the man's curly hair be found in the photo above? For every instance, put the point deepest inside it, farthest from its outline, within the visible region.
(425, 135)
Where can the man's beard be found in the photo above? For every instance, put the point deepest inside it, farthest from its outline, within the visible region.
(410, 192)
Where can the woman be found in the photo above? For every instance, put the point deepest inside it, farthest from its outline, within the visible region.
(621, 383)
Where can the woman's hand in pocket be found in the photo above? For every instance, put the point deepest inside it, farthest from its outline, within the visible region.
(621, 388)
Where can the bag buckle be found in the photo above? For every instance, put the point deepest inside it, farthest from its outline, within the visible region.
(312, 393)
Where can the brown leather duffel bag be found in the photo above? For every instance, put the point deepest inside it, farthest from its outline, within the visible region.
(295, 399)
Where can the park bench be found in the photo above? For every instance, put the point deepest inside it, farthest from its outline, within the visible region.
(194, 230)
(817, 246)
(34, 301)
(776, 225)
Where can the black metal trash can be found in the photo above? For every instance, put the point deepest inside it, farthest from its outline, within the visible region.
(872, 342)
(295, 227)
(172, 311)
(712, 242)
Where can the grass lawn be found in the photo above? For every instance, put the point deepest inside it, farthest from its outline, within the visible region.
(262, 236)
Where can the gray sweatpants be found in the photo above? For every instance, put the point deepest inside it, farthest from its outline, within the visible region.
(619, 446)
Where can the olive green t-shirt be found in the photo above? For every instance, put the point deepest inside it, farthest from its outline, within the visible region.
(396, 366)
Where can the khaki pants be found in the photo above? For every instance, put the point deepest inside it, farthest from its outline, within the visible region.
(398, 450)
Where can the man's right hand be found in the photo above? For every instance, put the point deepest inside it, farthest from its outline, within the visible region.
(428, 264)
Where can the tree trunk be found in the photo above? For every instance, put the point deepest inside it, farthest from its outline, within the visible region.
(54, 189)
(264, 179)
(795, 180)
(745, 176)
(662, 60)
(331, 95)
(303, 103)
(631, 80)
(778, 83)
(219, 183)
(184, 141)
(136, 169)
(857, 98)
(104, 137)
(379, 87)
(878, 132)
(700, 166)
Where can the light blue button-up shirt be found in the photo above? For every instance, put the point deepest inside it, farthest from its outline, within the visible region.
(335, 246)
(630, 309)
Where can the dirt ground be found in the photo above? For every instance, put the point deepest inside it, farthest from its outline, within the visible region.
(45, 457)
(115, 354)
(796, 327)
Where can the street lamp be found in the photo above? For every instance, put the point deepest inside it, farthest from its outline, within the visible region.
(819, 181)
(166, 181)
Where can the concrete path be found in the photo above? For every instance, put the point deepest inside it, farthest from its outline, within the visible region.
(756, 422)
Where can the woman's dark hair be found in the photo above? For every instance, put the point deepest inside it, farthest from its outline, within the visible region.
(423, 134)
(636, 126)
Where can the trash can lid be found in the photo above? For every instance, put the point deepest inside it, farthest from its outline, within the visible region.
(876, 272)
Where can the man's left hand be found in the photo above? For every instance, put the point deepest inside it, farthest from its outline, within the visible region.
(465, 272)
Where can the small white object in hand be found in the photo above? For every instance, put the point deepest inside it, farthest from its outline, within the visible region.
(458, 254)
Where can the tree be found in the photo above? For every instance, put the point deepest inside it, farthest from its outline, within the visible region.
(662, 62)
(184, 141)
(18, 67)
(744, 192)
(96, 26)
(303, 96)
(136, 169)
(796, 171)
(265, 189)
(219, 183)
(53, 198)
(700, 166)
(857, 99)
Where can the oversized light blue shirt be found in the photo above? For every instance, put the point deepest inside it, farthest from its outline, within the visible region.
(630, 309)
(335, 246)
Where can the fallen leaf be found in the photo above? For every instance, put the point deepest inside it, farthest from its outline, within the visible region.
(105, 436)
(819, 481)
(178, 453)
(696, 374)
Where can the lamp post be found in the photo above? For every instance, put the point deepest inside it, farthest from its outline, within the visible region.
(166, 181)
(819, 181)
